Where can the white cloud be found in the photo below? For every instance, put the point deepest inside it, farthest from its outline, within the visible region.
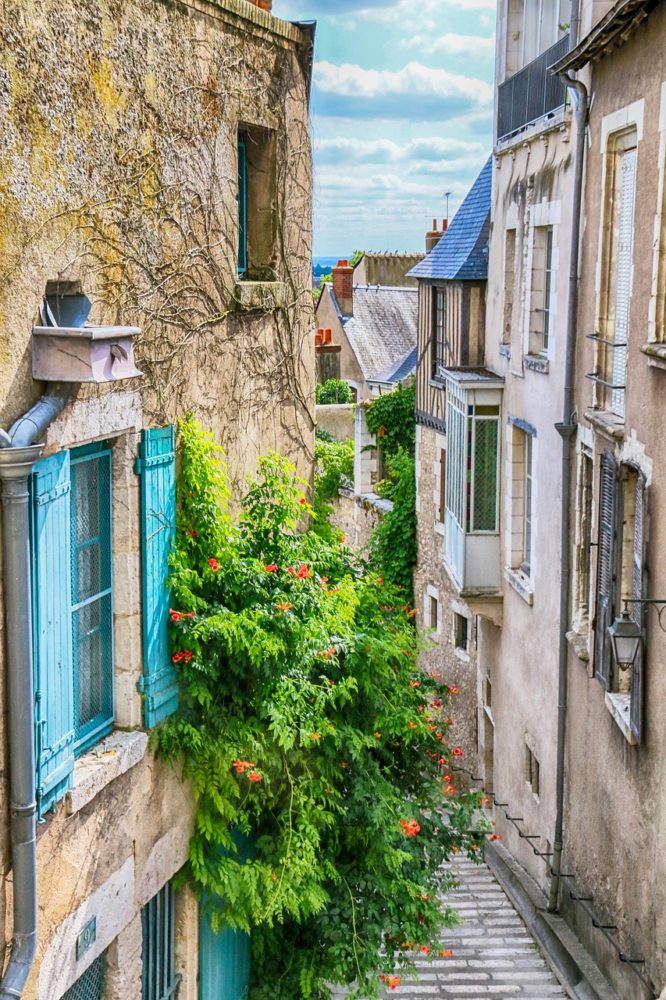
(415, 92)
(465, 46)
(430, 11)
(378, 151)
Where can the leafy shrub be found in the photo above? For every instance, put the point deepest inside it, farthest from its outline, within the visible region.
(336, 390)
(305, 727)
(334, 467)
(392, 419)
(393, 542)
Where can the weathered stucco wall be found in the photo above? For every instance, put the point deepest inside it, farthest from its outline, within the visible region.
(616, 793)
(118, 169)
(337, 419)
(532, 187)
(457, 665)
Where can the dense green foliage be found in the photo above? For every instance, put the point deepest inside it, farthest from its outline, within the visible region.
(391, 418)
(334, 467)
(393, 542)
(336, 390)
(306, 726)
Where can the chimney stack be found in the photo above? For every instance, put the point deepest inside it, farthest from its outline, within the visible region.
(343, 286)
(435, 234)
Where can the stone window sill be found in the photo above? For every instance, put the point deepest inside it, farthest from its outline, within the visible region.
(606, 422)
(619, 706)
(114, 756)
(656, 355)
(536, 363)
(439, 528)
(260, 296)
(521, 584)
(579, 642)
(461, 654)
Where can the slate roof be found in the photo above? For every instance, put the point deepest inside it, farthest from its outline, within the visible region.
(462, 252)
(384, 327)
(401, 370)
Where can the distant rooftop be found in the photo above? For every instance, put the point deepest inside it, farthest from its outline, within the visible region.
(383, 330)
(462, 252)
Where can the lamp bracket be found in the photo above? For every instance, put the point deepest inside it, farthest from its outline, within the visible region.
(650, 601)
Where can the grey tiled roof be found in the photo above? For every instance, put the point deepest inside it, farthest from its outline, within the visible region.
(384, 327)
(462, 252)
(398, 371)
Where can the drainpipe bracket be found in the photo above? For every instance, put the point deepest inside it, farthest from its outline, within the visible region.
(566, 431)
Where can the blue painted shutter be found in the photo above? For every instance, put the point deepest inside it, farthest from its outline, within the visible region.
(607, 569)
(52, 624)
(242, 203)
(224, 962)
(157, 468)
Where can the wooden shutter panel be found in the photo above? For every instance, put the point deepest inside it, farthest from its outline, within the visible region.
(157, 468)
(52, 629)
(224, 962)
(627, 184)
(606, 566)
(638, 610)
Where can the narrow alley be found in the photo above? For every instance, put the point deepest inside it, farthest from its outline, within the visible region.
(493, 954)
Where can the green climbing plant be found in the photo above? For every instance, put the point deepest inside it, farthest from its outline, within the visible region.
(307, 730)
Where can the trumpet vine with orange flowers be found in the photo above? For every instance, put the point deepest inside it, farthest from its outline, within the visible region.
(308, 731)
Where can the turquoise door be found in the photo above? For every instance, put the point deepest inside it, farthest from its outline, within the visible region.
(224, 963)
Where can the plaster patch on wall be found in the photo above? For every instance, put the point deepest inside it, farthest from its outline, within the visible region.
(96, 419)
(113, 907)
(167, 856)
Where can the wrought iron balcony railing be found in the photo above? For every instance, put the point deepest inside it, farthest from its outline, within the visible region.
(532, 92)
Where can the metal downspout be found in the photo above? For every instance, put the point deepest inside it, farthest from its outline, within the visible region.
(567, 430)
(18, 455)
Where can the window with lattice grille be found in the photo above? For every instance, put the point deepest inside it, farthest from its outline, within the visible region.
(89, 986)
(92, 594)
(158, 922)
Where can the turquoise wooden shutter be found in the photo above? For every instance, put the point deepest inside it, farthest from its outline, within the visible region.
(224, 962)
(157, 468)
(52, 629)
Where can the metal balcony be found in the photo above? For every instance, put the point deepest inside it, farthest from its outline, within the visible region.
(532, 92)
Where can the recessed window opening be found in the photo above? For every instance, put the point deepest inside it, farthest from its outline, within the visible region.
(434, 612)
(257, 203)
(461, 632)
(532, 770)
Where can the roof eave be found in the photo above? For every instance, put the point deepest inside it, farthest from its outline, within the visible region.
(612, 31)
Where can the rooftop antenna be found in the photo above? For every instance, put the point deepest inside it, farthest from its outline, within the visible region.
(447, 195)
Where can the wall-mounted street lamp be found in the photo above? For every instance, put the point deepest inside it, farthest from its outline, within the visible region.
(626, 636)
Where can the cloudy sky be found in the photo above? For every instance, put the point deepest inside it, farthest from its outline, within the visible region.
(402, 107)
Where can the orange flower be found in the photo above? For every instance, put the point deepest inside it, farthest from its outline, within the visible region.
(424, 949)
(380, 579)
(446, 953)
(343, 538)
(214, 564)
(450, 790)
(415, 684)
(241, 766)
(175, 616)
(410, 827)
(495, 836)
(284, 606)
(254, 776)
(328, 653)
(302, 501)
(315, 736)
(377, 735)
(458, 752)
(454, 689)
(344, 765)
(393, 982)
(410, 614)
(271, 568)
(303, 572)
(437, 703)
(412, 725)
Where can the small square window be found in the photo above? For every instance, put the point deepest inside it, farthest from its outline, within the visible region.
(532, 770)
(461, 632)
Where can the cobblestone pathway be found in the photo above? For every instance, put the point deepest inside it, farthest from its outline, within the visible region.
(494, 956)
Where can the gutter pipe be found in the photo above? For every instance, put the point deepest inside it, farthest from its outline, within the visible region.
(18, 454)
(566, 430)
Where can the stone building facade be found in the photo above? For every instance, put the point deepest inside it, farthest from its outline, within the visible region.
(570, 739)
(452, 294)
(615, 810)
(154, 156)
